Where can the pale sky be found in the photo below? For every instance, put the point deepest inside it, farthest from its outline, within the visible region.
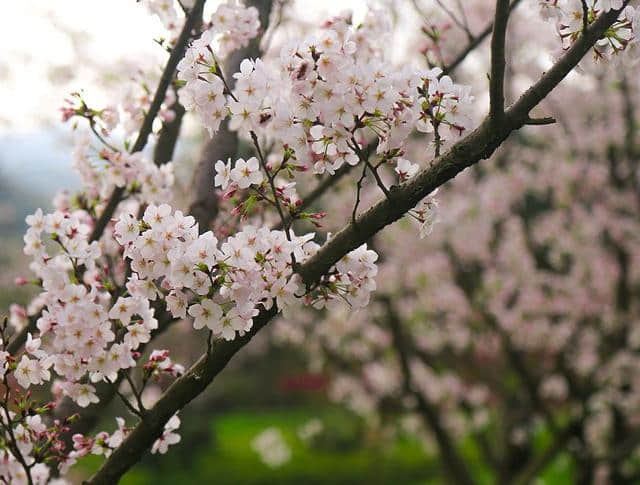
(50, 48)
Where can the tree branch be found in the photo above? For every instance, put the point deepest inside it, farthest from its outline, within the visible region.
(473, 44)
(454, 463)
(168, 136)
(461, 24)
(498, 63)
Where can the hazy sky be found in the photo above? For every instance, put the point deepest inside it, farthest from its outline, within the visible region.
(50, 48)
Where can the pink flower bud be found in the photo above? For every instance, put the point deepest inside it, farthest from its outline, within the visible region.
(21, 281)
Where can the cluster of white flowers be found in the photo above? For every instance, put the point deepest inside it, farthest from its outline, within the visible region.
(104, 443)
(272, 447)
(220, 286)
(326, 95)
(30, 435)
(12, 471)
(232, 26)
(320, 102)
(443, 104)
(134, 171)
(352, 279)
(569, 17)
(75, 325)
(241, 176)
(85, 329)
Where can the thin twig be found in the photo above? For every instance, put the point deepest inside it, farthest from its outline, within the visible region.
(354, 213)
(465, 21)
(365, 159)
(138, 395)
(15, 449)
(92, 125)
(455, 19)
(498, 62)
(124, 400)
(272, 184)
(471, 46)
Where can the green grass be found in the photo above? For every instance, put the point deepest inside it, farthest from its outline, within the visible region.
(224, 455)
(219, 451)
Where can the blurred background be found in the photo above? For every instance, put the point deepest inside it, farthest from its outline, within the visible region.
(522, 305)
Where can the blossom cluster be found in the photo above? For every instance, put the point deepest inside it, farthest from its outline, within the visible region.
(570, 18)
(89, 327)
(169, 257)
(104, 443)
(29, 435)
(352, 279)
(75, 322)
(135, 172)
(232, 26)
(272, 447)
(168, 15)
(220, 285)
(326, 94)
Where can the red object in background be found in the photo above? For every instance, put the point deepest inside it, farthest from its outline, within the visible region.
(304, 382)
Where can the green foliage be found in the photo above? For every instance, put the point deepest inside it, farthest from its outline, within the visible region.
(224, 455)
